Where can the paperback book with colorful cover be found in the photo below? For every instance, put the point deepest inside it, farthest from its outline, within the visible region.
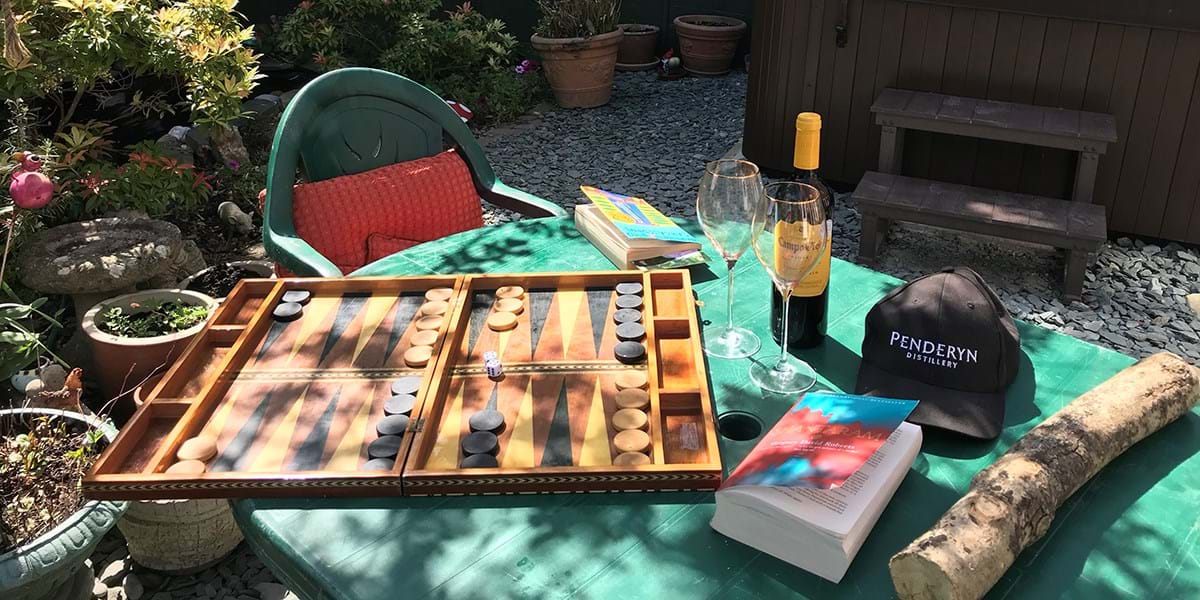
(633, 234)
(814, 486)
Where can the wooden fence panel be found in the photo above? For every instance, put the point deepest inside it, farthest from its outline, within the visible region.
(1141, 68)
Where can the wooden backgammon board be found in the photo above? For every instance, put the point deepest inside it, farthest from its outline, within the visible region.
(383, 386)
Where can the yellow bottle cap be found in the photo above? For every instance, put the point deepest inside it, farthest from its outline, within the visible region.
(808, 121)
(807, 153)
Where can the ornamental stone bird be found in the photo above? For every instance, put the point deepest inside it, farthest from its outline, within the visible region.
(30, 188)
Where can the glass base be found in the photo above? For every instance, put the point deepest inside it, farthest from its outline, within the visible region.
(790, 376)
(726, 341)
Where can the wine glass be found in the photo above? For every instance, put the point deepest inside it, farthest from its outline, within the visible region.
(789, 239)
(729, 197)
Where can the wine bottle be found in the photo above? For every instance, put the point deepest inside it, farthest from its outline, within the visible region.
(809, 305)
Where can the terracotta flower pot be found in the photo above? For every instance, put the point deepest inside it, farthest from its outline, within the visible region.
(707, 47)
(52, 566)
(580, 70)
(636, 52)
(121, 363)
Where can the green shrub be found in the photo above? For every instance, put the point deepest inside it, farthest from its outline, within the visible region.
(337, 33)
(465, 57)
(497, 95)
(66, 49)
(148, 182)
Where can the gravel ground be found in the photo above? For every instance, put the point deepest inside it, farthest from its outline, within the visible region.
(652, 140)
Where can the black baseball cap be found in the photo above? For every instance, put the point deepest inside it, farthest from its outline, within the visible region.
(945, 340)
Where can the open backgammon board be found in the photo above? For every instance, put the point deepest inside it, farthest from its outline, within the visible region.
(438, 385)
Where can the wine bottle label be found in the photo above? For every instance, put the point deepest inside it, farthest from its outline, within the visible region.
(817, 280)
(797, 247)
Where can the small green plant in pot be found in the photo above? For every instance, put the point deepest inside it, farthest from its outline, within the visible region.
(135, 335)
(578, 41)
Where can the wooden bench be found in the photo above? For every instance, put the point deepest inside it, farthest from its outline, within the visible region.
(1077, 226)
(1087, 133)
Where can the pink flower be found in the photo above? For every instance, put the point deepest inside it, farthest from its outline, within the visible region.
(519, 69)
(234, 165)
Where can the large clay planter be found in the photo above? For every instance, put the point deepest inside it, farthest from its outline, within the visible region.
(580, 70)
(121, 364)
(52, 566)
(636, 52)
(180, 536)
(707, 49)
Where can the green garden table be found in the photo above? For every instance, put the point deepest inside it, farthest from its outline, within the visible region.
(1130, 532)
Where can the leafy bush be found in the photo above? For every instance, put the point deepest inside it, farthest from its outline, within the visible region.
(338, 33)
(147, 182)
(577, 18)
(465, 57)
(497, 95)
(66, 49)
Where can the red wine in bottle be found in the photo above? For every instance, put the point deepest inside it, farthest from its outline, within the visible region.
(809, 305)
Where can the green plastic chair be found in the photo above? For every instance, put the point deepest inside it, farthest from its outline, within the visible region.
(354, 120)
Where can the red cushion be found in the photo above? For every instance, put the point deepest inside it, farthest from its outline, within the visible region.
(397, 206)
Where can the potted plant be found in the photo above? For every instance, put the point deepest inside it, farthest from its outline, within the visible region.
(636, 52)
(218, 280)
(708, 42)
(134, 335)
(578, 42)
(47, 528)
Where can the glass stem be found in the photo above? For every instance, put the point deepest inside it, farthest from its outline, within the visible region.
(781, 364)
(729, 297)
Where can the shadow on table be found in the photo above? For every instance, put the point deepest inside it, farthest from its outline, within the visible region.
(1104, 542)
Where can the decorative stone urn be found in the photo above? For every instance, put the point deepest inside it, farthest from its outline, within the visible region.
(180, 536)
(580, 70)
(52, 566)
(708, 42)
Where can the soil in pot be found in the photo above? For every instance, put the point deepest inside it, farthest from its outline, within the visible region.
(162, 319)
(41, 466)
(219, 280)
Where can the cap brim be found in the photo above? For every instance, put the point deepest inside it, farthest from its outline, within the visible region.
(975, 414)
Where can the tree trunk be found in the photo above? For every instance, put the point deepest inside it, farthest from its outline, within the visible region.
(1011, 503)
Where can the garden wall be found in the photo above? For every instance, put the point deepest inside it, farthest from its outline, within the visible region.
(1135, 60)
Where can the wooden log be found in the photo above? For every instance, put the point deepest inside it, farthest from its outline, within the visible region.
(1011, 503)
